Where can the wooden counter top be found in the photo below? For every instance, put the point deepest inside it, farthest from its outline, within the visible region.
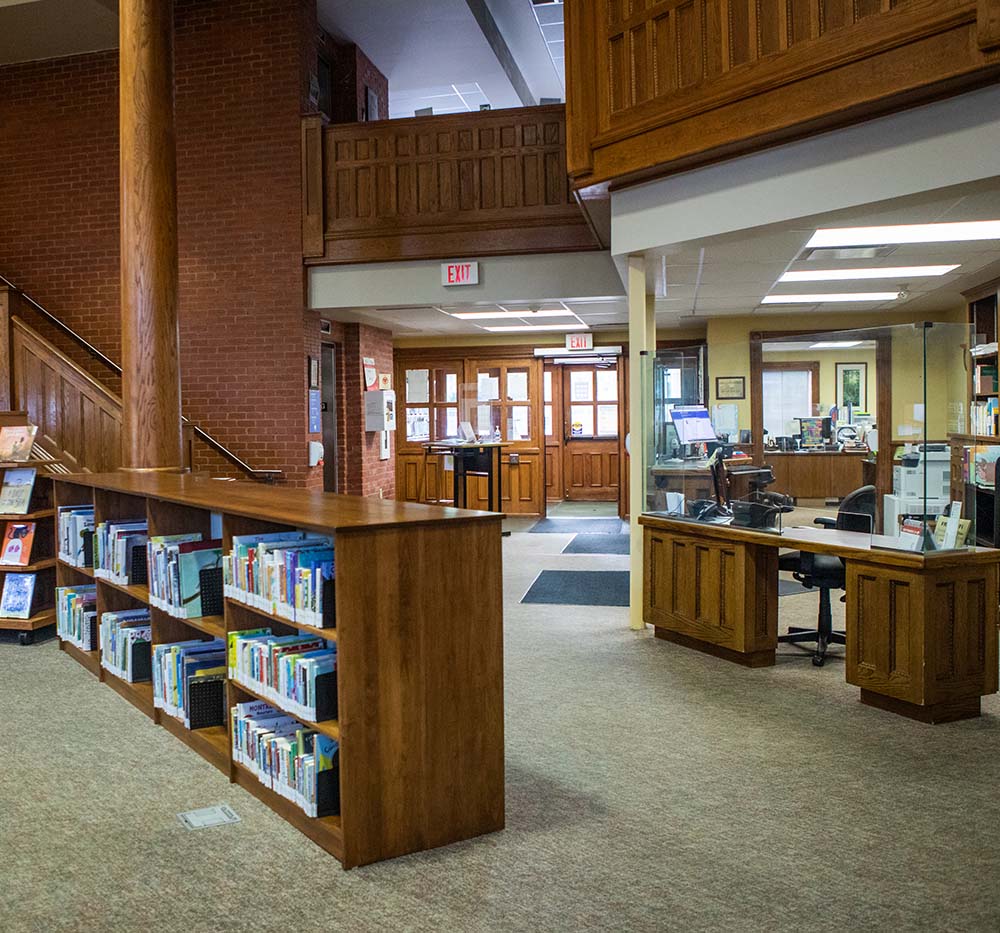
(850, 544)
(303, 508)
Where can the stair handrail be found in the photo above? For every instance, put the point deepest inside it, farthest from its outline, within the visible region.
(265, 476)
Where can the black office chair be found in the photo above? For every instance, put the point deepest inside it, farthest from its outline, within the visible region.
(826, 572)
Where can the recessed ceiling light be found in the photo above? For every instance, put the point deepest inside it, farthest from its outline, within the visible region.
(529, 327)
(887, 272)
(907, 233)
(834, 344)
(835, 296)
(527, 315)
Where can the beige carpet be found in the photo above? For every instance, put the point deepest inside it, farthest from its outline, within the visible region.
(649, 788)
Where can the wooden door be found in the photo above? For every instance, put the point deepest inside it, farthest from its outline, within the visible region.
(552, 428)
(591, 458)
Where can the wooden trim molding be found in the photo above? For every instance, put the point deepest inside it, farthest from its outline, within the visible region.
(312, 186)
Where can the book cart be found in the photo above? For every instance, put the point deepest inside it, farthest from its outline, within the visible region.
(43, 550)
(418, 629)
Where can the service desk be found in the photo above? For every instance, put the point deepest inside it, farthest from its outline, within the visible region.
(808, 474)
(921, 628)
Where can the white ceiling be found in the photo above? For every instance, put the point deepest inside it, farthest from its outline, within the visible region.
(32, 30)
(729, 275)
(430, 48)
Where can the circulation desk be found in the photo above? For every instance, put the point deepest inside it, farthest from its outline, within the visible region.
(921, 628)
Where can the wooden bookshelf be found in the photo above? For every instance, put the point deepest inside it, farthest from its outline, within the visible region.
(419, 669)
(43, 549)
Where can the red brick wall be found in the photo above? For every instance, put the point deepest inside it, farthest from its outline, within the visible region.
(366, 474)
(241, 86)
(59, 191)
(368, 74)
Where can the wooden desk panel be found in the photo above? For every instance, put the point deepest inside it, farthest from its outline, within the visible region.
(921, 629)
(815, 475)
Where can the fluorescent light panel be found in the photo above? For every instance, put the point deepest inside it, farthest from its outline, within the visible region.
(527, 315)
(907, 233)
(526, 328)
(833, 296)
(887, 272)
(834, 344)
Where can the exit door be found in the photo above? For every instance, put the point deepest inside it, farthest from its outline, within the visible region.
(330, 400)
(590, 433)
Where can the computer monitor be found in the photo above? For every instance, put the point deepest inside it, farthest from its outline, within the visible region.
(811, 431)
(693, 424)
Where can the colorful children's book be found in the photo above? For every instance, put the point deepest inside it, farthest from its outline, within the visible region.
(16, 441)
(15, 495)
(18, 590)
(16, 548)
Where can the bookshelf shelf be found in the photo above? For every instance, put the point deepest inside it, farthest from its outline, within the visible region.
(39, 510)
(210, 625)
(85, 571)
(140, 695)
(37, 621)
(330, 633)
(91, 660)
(135, 590)
(413, 774)
(45, 564)
(211, 743)
(326, 831)
(30, 516)
(328, 727)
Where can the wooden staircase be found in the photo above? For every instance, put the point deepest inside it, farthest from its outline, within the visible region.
(79, 418)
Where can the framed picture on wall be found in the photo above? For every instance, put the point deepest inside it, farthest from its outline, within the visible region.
(730, 387)
(852, 385)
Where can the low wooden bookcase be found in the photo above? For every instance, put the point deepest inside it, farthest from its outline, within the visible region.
(419, 636)
(42, 560)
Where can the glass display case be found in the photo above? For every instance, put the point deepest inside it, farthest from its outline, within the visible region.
(868, 431)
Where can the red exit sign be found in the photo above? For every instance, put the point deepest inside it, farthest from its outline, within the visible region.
(460, 273)
(579, 341)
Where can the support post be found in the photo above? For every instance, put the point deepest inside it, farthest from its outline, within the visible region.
(6, 364)
(641, 337)
(151, 417)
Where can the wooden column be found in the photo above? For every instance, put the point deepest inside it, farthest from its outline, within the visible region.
(151, 436)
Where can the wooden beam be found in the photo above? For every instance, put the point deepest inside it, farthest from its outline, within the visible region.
(988, 24)
(6, 381)
(151, 420)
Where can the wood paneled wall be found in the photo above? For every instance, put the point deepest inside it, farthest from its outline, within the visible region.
(78, 420)
(485, 183)
(660, 85)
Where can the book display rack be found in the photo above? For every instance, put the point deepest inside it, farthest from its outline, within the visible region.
(417, 613)
(27, 550)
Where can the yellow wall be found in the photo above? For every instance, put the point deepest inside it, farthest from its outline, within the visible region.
(729, 350)
(828, 360)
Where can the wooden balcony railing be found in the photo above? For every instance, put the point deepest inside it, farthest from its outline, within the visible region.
(471, 184)
(662, 85)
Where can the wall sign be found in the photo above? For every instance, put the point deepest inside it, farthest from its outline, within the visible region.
(371, 373)
(579, 341)
(459, 273)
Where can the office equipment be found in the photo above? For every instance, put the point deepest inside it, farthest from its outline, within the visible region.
(693, 424)
(814, 432)
(898, 652)
(827, 572)
(407, 579)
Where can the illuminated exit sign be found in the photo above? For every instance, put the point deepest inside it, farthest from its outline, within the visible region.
(460, 273)
(579, 341)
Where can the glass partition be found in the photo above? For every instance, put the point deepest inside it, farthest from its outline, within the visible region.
(822, 461)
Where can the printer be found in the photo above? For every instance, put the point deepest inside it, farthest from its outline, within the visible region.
(919, 463)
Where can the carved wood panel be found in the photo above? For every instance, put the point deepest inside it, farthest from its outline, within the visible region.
(659, 86)
(78, 420)
(463, 184)
(926, 638)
